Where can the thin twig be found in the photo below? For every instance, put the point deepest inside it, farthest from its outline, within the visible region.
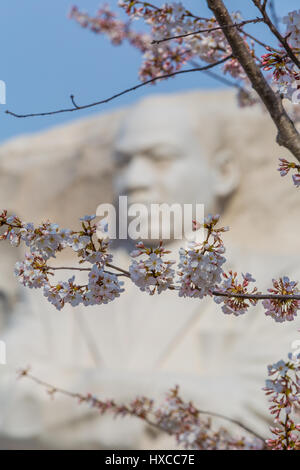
(258, 41)
(207, 30)
(233, 421)
(126, 273)
(69, 268)
(73, 101)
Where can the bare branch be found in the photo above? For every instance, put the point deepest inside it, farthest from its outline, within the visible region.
(73, 101)
(124, 92)
(287, 136)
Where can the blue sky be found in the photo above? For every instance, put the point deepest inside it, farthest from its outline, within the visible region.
(45, 57)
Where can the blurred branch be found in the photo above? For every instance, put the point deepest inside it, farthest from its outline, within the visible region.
(274, 14)
(123, 410)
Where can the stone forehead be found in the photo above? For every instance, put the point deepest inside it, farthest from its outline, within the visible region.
(157, 119)
(160, 110)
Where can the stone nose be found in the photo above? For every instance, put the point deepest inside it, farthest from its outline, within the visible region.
(139, 175)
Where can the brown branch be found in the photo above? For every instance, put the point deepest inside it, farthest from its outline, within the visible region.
(124, 92)
(287, 136)
(126, 273)
(208, 30)
(258, 41)
(257, 296)
(276, 33)
(219, 78)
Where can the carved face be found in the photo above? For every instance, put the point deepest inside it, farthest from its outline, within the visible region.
(159, 158)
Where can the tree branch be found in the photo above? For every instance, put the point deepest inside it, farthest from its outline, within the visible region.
(276, 33)
(216, 293)
(124, 92)
(287, 133)
(208, 30)
(257, 296)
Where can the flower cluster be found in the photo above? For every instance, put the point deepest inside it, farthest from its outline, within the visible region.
(177, 36)
(161, 56)
(230, 285)
(282, 310)
(200, 266)
(285, 167)
(102, 287)
(284, 392)
(44, 241)
(200, 269)
(107, 23)
(32, 272)
(152, 273)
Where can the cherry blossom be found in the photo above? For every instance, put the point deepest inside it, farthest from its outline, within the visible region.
(282, 310)
(230, 285)
(285, 167)
(199, 271)
(200, 266)
(32, 272)
(171, 19)
(283, 390)
(153, 273)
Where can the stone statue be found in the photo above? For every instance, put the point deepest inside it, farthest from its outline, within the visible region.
(188, 148)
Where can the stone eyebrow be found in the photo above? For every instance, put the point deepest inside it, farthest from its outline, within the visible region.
(158, 149)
